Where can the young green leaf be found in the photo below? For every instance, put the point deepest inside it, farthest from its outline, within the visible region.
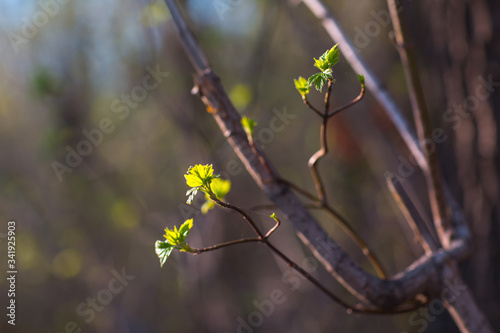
(175, 239)
(184, 228)
(172, 236)
(163, 251)
(332, 56)
(328, 74)
(318, 80)
(321, 64)
(361, 79)
(199, 178)
(328, 59)
(274, 217)
(302, 86)
(220, 187)
(199, 175)
(248, 125)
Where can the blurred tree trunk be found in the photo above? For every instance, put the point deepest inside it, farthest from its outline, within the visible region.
(466, 43)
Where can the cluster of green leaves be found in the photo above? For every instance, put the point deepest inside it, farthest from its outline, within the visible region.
(175, 239)
(202, 178)
(325, 63)
(199, 178)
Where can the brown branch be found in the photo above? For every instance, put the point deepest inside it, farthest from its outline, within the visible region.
(423, 124)
(344, 225)
(351, 103)
(278, 222)
(360, 308)
(264, 239)
(413, 218)
(222, 245)
(424, 276)
(372, 82)
(242, 213)
(324, 147)
(310, 106)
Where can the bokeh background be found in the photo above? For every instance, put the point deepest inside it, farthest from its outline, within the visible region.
(69, 67)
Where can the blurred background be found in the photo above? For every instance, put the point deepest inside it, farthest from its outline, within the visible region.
(98, 126)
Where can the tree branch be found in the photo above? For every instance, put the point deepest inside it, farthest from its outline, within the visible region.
(412, 216)
(423, 124)
(373, 84)
(424, 276)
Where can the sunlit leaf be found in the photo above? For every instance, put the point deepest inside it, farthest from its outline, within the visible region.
(318, 80)
(163, 250)
(248, 125)
(220, 187)
(302, 86)
(361, 79)
(200, 175)
(332, 56)
(184, 228)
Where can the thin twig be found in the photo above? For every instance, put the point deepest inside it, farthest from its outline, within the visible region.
(422, 122)
(299, 190)
(300, 270)
(344, 225)
(272, 229)
(324, 147)
(258, 153)
(353, 57)
(351, 103)
(404, 205)
(242, 213)
(264, 239)
(310, 106)
(222, 245)
(341, 222)
(370, 290)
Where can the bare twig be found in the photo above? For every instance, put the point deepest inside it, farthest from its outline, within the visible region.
(231, 243)
(360, 308)
(422, 123)
(264, 239)
(344, 225)
(310, 106)
(278, 222)
(373, 84)
(242, 213)
(351, 103)
(387, 294)
(413, 218)
(324, 147)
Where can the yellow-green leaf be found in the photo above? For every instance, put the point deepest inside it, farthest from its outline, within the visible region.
(302, 86)
(199, 175)
(248, 125)
(185, 227)
(220, 187)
